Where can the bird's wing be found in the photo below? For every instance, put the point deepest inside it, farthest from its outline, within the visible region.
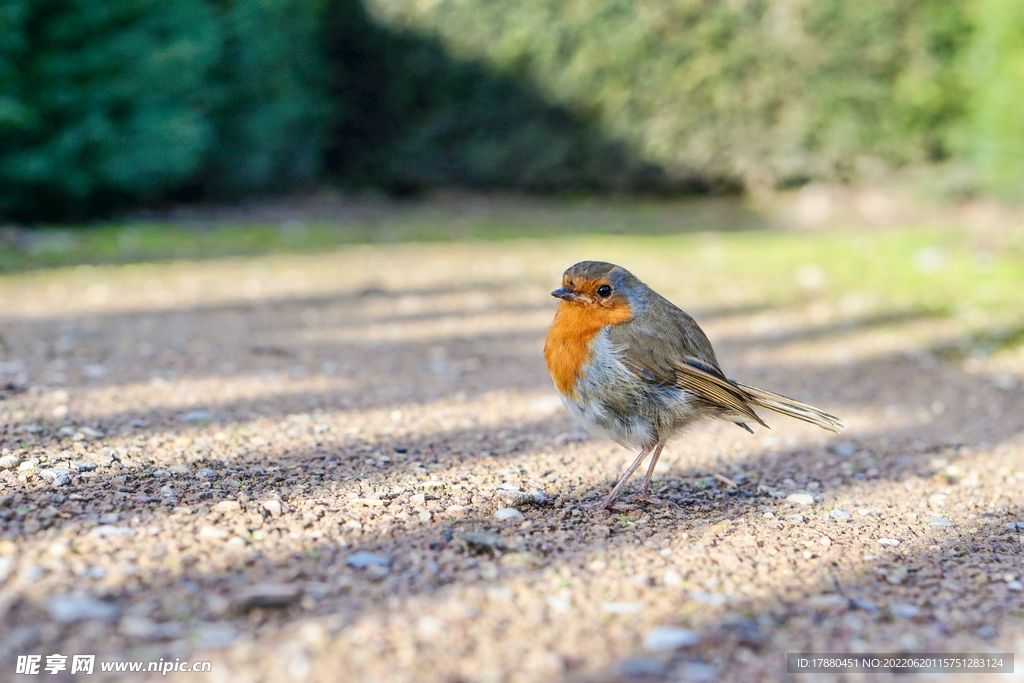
(673, 351)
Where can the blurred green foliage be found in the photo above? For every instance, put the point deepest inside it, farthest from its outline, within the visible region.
(744, 91)
(109, 103)
(105, 102)
(992, 136)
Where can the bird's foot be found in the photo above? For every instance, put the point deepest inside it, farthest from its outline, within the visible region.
(638, 497)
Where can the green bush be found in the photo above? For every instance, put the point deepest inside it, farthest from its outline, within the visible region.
(103, 100)
(104, 103)
(992, 136)
(749, 90)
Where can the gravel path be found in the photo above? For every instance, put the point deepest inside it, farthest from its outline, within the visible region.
(352, 467)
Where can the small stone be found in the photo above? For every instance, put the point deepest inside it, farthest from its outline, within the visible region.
(1012, 526)
(622, 607)
(1015, 586)
(641, 666)
(800, 499)
(673, 578)
(456, 511)
(28, 466)
(509, 515)
(798, 519)
(9, 462)
(94, 371)
(840, 515)
(485, 542)
(896, 576)
(227, 506)
(196, 416)
(216, 635)
(56, 476)
(67, 431)
(891, 542)
(273, 507)
(939, 521)
(109, 531)
(213, 532)
(826, 541)
(426, 516)
(828, 602)
(205, 473)
(986, 632)
(865, 604)
(511, 495)
(432, 485)
(274, 595)
(82, 466)
(698, 672)
(144, 628)
(364, 559)
(869, 512)
(669, 638)
(92, 433)
(69, 608)
(844, 449)
(904, 611)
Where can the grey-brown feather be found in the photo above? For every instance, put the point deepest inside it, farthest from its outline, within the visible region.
(672, 350)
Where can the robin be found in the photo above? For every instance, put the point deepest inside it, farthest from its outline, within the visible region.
(632, 366)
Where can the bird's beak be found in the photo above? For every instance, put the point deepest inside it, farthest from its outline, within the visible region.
(567, 294)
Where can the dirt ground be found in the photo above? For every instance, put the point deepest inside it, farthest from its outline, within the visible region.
(290, 466)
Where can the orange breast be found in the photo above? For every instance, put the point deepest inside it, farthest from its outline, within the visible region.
(567, 347)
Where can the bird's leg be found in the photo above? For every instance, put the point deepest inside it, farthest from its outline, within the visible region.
(625, 477)
(642, 493)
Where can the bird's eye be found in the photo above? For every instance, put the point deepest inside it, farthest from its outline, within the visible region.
(604, 291)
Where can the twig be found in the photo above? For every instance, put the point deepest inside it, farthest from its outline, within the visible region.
(725, 480)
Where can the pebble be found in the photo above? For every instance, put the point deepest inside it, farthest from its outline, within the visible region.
(205, 473)
(28, 465)
(641, 666)
(865, 604)
(483, 541)
(844, 449)
(986, 632)
(227, 506)
(939, 521)
(698, 672)
(840, 515)
(1015, 526)
(267, 595)
(892, 542)
(196, 416)
(1015, 586)
(213, 532)
(456, 511)
(904, 610)
(511, 495)
(670, 638)
(509, 515)
(68, 608)
(9, 462)
(800, 499)
(869, 512)
(426, 516)
(90, 432)
(622, 607)
(364, 559)
(145, 628)
(432, 485)
(828, 602)
(273, 507)
(56, 476)
(82, 466)
(108, 530)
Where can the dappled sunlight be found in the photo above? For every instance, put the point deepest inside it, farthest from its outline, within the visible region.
(215, 446)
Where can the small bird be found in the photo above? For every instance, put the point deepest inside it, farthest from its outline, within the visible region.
(632, 366)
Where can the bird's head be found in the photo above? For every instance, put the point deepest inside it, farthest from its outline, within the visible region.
(605, 289)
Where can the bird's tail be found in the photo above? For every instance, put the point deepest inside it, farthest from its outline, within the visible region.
(792, 408)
